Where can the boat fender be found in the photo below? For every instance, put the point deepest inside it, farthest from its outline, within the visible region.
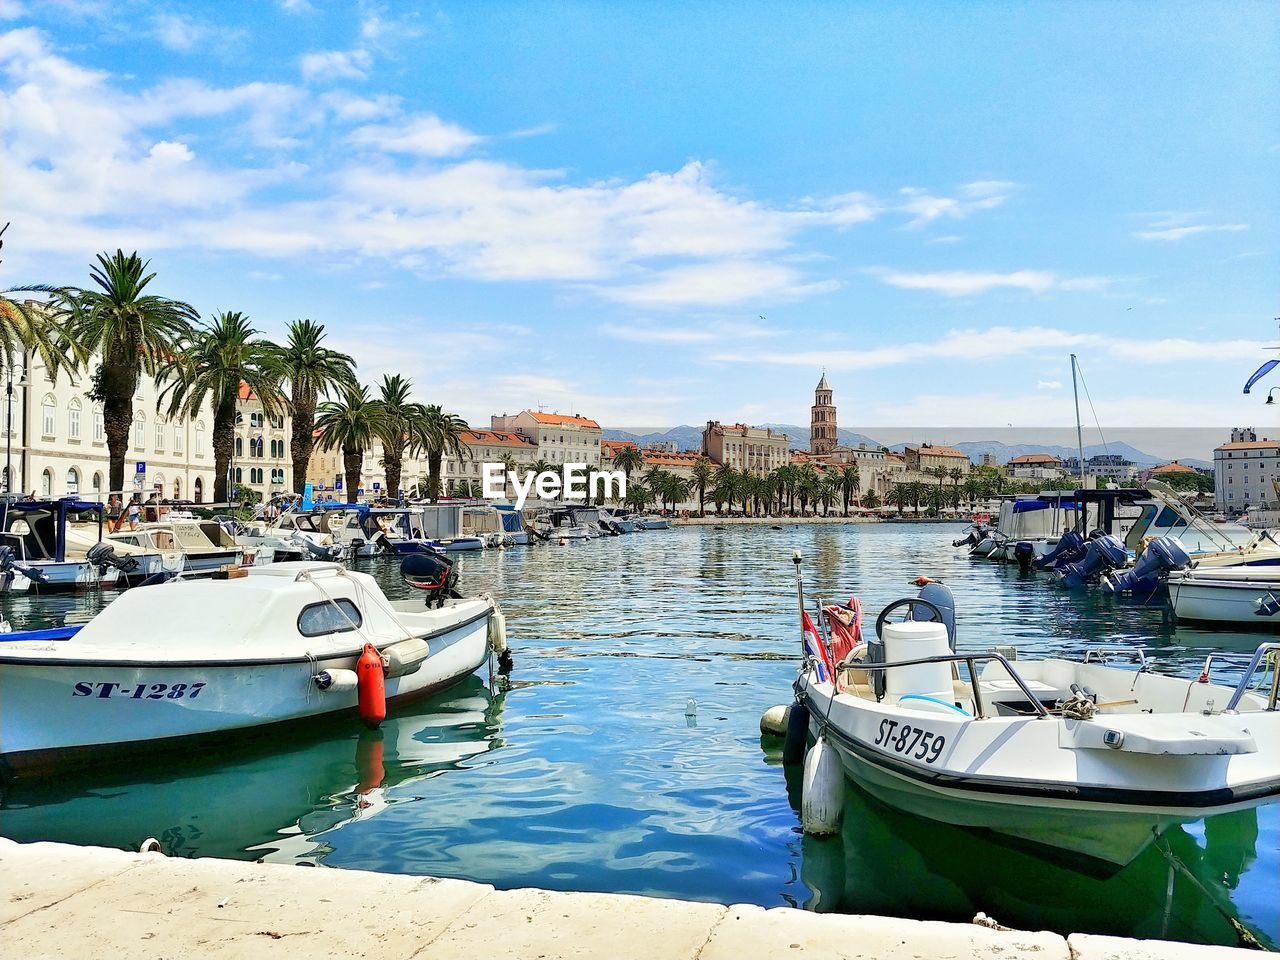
(774, 721)
(822, 790)
(336, 681)
(151, 845)
(797, 734)
(406, 656)
(372, 696)
(497, 629)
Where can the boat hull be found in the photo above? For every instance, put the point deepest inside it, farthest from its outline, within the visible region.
(56, 713)
(1223, 602)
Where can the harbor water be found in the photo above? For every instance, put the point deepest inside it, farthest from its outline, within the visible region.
(625, 755)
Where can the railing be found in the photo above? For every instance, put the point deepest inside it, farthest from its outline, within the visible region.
(969, 659)
(1243, 686)
(1099, 655)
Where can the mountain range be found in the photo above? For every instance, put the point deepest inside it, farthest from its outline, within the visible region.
(690, 438)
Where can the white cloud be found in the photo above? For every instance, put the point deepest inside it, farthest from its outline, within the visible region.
(177, 32)
(967, 283)
(924, 207)
(11, 10)
(425, 135)
(296, 6)
(718, 284)
(1002, 343)
(1170, 234)
(685, 333)
(330, 65)
(1048, 384)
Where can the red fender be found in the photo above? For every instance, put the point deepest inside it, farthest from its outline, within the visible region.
(371, 687)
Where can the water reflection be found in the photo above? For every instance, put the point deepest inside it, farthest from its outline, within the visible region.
(589, 775)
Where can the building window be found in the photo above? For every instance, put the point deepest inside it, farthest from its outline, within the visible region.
(159, 438)
(239, 475)
(99, 426)
(255, 419)
(97, 482)
(48, 410)
(73, 482)
(46, 483)
(73, 420)
(177, 439)
(278, 422)
(139, 432)
(239, 447)
(199, 439)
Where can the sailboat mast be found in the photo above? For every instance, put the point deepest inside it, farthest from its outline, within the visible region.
(1075, 392)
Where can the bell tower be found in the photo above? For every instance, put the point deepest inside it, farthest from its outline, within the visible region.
(822, 420)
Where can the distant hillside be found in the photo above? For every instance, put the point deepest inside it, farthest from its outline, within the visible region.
(690, 438)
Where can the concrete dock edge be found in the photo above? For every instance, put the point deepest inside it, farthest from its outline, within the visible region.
(58, 900)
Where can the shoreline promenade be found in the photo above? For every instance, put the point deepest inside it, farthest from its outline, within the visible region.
(58, 900)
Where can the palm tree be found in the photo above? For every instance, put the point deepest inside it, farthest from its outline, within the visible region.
(899, 496)
(350, 424)
(403, 428)
(23, 327)
(509, 467)
(829, 486)
(442, 434)
(628, 459)
(725, 486)
(541, 466)
(638, 497)
(850, 484)
(209, 367)
(702, 472)
(872, 500)
(313, 371)
(133, 331)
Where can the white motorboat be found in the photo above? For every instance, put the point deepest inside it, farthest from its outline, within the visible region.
(652, 522)
(222, 658)
(313, 527)
(1086, 756)
(187, 537)
(1237, 596)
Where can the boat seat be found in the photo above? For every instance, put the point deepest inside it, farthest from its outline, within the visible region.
(998, 690)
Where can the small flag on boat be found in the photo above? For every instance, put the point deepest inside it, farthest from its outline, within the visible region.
(815, 649)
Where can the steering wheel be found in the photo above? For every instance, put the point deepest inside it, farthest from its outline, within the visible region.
(909, 603)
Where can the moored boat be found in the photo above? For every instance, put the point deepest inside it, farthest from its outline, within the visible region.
(221, 658)
(1238, 597)
(1086, 756)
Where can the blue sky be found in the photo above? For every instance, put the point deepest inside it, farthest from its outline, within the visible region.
(663, 213)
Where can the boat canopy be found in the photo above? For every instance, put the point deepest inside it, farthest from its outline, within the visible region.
(43, 534)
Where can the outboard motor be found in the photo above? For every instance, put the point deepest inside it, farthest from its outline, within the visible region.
(1069, 549)
(1144, 577)
(9, 564)
(1103, 554)
(1024, 555)
(432, 573)
(104, 555)
(940, 595)
(316, 550)
(977, 533)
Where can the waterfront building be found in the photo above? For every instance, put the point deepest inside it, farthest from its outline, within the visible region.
(610, 448)
(483, 446)
(928, 456)
(680, 464)
(260, 459)
(560, 438)
(1109, 465)
(1035, 466)
(822, 421)
(56, 444)
(1246, 472)
(755, 450)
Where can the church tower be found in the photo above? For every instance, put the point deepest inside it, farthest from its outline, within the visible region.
(822, 420)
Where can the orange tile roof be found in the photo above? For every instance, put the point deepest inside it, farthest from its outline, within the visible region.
(1035, 458)
(660, 458)
(1248, 445)
(611, 447)
(495, 438)
(1174, 467)
(245, 392)
(563, 419)
(929, 450)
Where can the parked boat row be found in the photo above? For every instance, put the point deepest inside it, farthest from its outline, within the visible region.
(1144, 544)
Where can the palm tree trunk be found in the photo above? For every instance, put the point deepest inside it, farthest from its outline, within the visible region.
(392, 463)
(352, 462)
(301, 441)
(119, 382)
(434, 458)
(224, 438)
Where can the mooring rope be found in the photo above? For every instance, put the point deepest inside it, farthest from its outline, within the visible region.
(1244, 936)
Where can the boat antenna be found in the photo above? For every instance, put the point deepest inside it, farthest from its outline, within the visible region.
(1075, 391)
(796, 559)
